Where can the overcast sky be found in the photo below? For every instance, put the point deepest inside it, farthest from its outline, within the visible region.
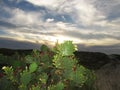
(90, 23)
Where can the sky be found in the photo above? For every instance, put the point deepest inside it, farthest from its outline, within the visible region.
(93, 25)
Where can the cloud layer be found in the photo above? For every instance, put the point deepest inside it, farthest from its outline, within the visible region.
(88, 22)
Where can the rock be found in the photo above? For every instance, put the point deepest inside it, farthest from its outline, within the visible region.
(108, 77)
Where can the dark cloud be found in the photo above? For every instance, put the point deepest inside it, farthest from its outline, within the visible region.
(110, 49)
(115, 13)
(7, 24)
(15, 44)
(109, 7)
(93, 35)
(21, 4)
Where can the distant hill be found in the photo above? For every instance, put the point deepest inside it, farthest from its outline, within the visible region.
(9, 52)
(96, 60)
(91, 60)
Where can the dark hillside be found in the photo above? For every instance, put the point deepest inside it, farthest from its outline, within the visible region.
(9, 52)
(92, 60)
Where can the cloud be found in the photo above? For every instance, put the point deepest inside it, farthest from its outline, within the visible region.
(88, 22)
(110, 8)
(111, 49)
(7, 24)
(51, 3)
(50, 20)
(82, 12)
(12, 43)
(22, 17)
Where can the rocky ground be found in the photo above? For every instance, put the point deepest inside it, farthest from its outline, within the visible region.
(108, 77)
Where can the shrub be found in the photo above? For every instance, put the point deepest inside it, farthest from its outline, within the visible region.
(55, 69)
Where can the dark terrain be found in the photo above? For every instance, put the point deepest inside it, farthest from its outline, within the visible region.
(106, 67)
(91, 60)
(9, 52)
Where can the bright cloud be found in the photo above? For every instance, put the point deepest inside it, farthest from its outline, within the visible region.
(22, 17)
(82, 11)
(49, 20)
(44, 2)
